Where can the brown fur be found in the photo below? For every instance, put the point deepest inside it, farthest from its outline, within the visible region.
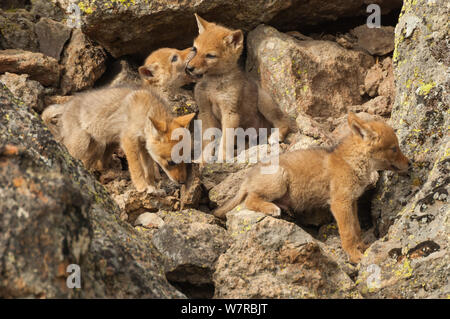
(226, 97)
(307, 179)
(94, 123)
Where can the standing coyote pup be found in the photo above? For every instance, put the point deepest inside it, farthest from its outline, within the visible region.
(226, 97)
(94, 123)
(306, 179)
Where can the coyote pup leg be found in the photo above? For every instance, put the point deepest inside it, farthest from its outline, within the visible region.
(349, 229)
(131, 148)
(256, 203)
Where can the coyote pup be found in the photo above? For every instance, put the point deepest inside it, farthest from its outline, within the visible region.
(95, 123)
(163, 70)
(319, 177)
(226, 97)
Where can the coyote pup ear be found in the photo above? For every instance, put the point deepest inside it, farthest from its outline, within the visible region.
(158, 127)
(358, 127)
(235, 39)
(201, 23)
(148, 71)
(184, 120)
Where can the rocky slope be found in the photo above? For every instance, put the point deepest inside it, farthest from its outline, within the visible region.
(54, 213)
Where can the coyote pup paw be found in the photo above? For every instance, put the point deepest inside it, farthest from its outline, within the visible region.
(272, 210)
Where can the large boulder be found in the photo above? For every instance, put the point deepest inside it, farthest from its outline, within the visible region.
(191, 251)
(84, 62)
(17, 30)
(312, 77)
(40, 67)
(139, 26)
(272, 258)
(53, 213)
(52, 36)
(412, 212)
(376, 41)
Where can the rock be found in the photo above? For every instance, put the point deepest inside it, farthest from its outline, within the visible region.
(214, 173)
(149, 220)
(48, 9)
(121, 72)
(272, 258)
(188, 216)
(17, 31)
(191, 252)
(39, 67)
(376, 41)
(301, 14)
(52, 36)
(412, 211)
(29, 91)
(342, 128)
(387, 85)
(130, 27)
(314, 78)
(133, 203)
(13, 4)
(228, 188)
(381, 105)
(53, 214)
(373, 79)
(309, 127)
(84, 62)
(192, 191)
(301, 141)
(56, 99)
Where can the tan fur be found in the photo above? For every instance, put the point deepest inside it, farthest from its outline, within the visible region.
(158, 73)
(308, 179)
(165, 69)
(226, 97)
(94, 123)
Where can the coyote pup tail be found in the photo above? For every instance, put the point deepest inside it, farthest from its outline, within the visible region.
(232, 203)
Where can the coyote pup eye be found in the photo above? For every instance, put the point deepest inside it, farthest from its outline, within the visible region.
(394, 149)
(174, 58)
(194, 49)
(210, 56)
(171, 163)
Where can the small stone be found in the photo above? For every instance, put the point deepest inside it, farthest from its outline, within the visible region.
(149, 220)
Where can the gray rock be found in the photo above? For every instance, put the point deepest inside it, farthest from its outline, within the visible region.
(315, 78)
(272, 258)
(413, 256)
(52, 36)
(31, 92)
(84, 62)
(149, 220)
(139, 26)
(17, 30)
(376, 41)
(53, 213)
(190, 251)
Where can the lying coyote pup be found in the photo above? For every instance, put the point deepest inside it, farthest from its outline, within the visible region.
(95, 123)
(313, 178)
(163, 70)
(226, 97)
